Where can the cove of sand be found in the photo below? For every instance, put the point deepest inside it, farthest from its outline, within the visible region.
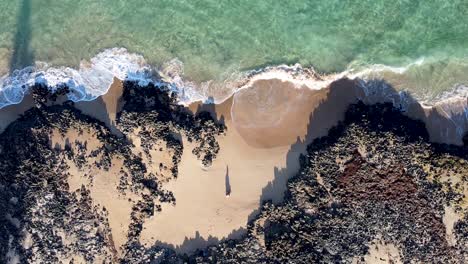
(269, 124)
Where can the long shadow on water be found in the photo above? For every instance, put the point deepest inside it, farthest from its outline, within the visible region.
(22, 55)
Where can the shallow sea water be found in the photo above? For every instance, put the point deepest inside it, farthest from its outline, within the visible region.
(216, 38)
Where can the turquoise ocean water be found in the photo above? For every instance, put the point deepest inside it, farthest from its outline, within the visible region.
(421, 46)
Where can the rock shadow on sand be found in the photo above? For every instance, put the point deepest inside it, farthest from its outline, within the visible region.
(341, 94)
(210, 108)
(320, 122)
(329, 113)
(351, 91)
(199, 243)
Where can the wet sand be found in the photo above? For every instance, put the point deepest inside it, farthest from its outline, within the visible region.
(105, 107)
(269, 124)
(268, 128)
(240, 171)
(10, 113)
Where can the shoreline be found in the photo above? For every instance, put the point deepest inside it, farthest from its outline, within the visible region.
(270, 121)
(94, 77)
(453, 108)
(284, 128)
(268, 126)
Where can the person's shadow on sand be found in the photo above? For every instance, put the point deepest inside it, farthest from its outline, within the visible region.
(227, 182)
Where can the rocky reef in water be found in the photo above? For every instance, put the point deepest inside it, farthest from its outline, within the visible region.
(374, 180)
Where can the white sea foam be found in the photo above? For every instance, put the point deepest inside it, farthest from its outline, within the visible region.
(295, 74)
(452, 104)
(94, 77)
(172, 72)
(375, 69)
(89, 81)
(211, 91)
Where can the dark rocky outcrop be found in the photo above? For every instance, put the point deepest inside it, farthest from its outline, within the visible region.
(374, 177)
(41, 219)
(155, 111)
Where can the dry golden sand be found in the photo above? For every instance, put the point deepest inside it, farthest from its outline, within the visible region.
(269, 125)
(268, 128)
(101, 183)
(202, 205)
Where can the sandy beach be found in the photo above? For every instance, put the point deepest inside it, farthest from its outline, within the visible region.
(269, 124)
(268, 127)
(221, 131)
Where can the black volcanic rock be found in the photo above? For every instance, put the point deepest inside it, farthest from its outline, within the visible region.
(41, 219)
(155, 111)
(375, 177)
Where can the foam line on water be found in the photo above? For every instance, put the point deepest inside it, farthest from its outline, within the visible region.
(94, 77)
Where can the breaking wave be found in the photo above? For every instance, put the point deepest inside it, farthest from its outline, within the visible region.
(86, 83)
(94, 77)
